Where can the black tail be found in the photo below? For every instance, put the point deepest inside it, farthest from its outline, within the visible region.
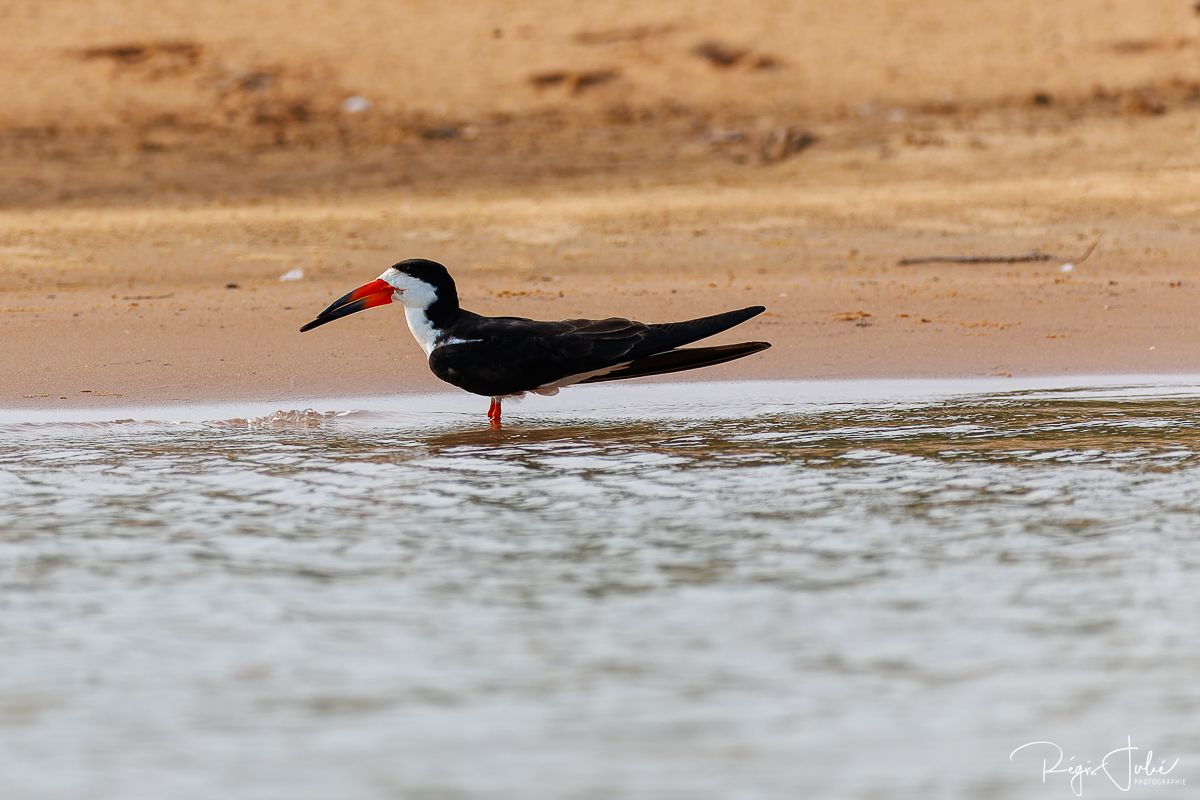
(677, 334)
(689, 358)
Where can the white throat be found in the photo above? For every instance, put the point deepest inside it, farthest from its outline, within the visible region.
(416, 296)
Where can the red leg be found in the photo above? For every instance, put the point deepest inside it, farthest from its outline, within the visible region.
(494, 413)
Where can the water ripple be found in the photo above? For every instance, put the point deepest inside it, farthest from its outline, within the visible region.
(720, 603)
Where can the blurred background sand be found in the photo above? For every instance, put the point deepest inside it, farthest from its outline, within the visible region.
(163, 164)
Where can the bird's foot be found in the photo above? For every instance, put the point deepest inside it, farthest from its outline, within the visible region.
(494, 413)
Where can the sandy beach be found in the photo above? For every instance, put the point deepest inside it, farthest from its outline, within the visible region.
(158, 178)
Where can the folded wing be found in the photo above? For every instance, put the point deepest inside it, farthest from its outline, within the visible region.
(509, 355)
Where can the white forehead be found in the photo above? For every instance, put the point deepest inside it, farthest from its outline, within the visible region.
(413, 292)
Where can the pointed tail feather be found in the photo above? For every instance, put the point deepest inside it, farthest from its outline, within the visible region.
(677, 334)
(680, 360)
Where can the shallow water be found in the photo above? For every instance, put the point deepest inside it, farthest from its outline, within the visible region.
(770, 590)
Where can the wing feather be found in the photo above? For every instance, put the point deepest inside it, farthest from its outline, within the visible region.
(509, 355)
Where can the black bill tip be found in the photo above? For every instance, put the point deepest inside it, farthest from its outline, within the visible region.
(336, 312)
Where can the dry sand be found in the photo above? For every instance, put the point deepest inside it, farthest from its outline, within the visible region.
(162, 164)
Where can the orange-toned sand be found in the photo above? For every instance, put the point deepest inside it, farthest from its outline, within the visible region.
(162, 164)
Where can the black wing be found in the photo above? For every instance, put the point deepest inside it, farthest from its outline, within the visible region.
(506, 355)
(680, 360)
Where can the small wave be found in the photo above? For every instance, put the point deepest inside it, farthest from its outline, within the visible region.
(281, 420)
(45, 425)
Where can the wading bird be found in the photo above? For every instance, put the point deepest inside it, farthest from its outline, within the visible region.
(506, 357)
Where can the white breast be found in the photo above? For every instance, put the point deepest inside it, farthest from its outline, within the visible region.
(426, 335)
(422, 329)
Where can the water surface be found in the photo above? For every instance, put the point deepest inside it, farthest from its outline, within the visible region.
(767, 590)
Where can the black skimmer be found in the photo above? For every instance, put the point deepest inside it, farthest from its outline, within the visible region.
(506, 357)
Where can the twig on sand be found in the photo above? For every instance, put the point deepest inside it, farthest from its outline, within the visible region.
(1022, 259)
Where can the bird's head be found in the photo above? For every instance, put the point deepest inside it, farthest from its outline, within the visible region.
(418, 283)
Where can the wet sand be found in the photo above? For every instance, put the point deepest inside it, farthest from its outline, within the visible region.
(186, 304)
(141, 245)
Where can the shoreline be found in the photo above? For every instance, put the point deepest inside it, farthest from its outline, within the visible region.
(712, 393)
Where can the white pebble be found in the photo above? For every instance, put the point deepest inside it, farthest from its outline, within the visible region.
(296, 274)
(1066, 268)
(356, 104)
